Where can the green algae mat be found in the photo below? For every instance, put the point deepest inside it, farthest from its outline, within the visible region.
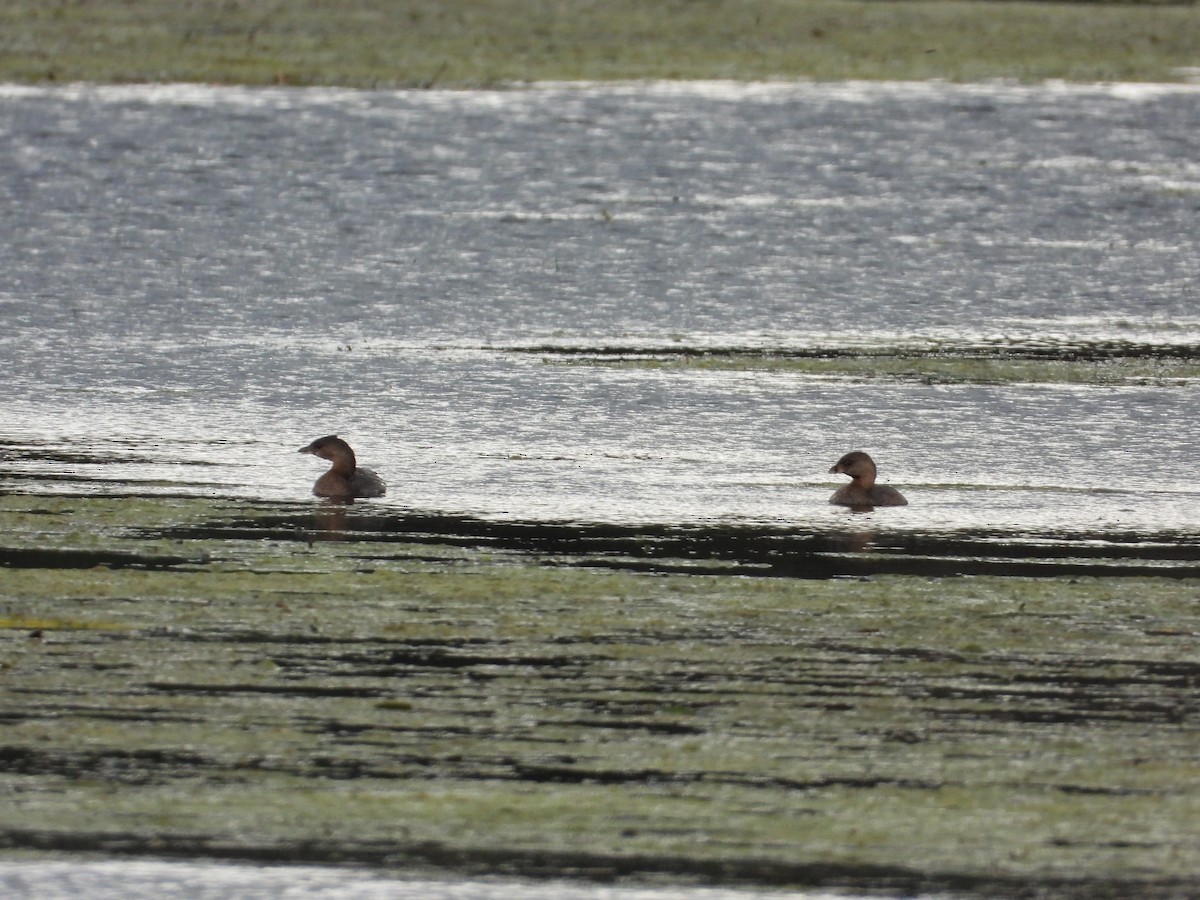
(941, 362)
(189, 677)
(472, 43)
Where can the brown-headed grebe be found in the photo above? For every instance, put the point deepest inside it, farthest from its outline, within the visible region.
(862, 489)
(345, 480)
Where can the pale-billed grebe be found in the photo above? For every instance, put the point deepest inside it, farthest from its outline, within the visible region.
(862, 489)
(345, 480)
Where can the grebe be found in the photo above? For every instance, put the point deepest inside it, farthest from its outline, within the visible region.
(345, 479)
(862, 489)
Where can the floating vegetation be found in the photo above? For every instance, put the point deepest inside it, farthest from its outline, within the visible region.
(337, 684)
(1109, 363)
(379, 44)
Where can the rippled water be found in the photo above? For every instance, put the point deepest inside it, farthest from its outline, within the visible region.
(104, 880)
(196, 281)
(148, 879)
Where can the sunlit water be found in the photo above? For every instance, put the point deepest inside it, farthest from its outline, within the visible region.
(126, 880)
(196, 281)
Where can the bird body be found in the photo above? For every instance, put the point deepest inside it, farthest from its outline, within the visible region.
(345, 480)
(862, 491)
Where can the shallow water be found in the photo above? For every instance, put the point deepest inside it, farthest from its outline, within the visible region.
(199, 280)
(125, 880)
(655, 313)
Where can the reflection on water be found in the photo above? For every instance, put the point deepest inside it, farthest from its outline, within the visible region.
(198, 279)
(132, 880)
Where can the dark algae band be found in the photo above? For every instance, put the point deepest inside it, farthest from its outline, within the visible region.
(743, 549)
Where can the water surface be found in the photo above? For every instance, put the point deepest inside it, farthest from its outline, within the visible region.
(621, 324)
(199, 280)
(110, 880)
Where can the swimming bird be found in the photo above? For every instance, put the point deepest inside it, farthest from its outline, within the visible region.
(345, 479)
(862, 491)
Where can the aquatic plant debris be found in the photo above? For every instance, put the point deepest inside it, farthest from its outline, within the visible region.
(1107, 362)
(328, 684)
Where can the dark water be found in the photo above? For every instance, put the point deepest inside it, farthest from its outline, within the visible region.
(196, 281)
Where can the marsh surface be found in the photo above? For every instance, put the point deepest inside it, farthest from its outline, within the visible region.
(351, 691)
(604, 343)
